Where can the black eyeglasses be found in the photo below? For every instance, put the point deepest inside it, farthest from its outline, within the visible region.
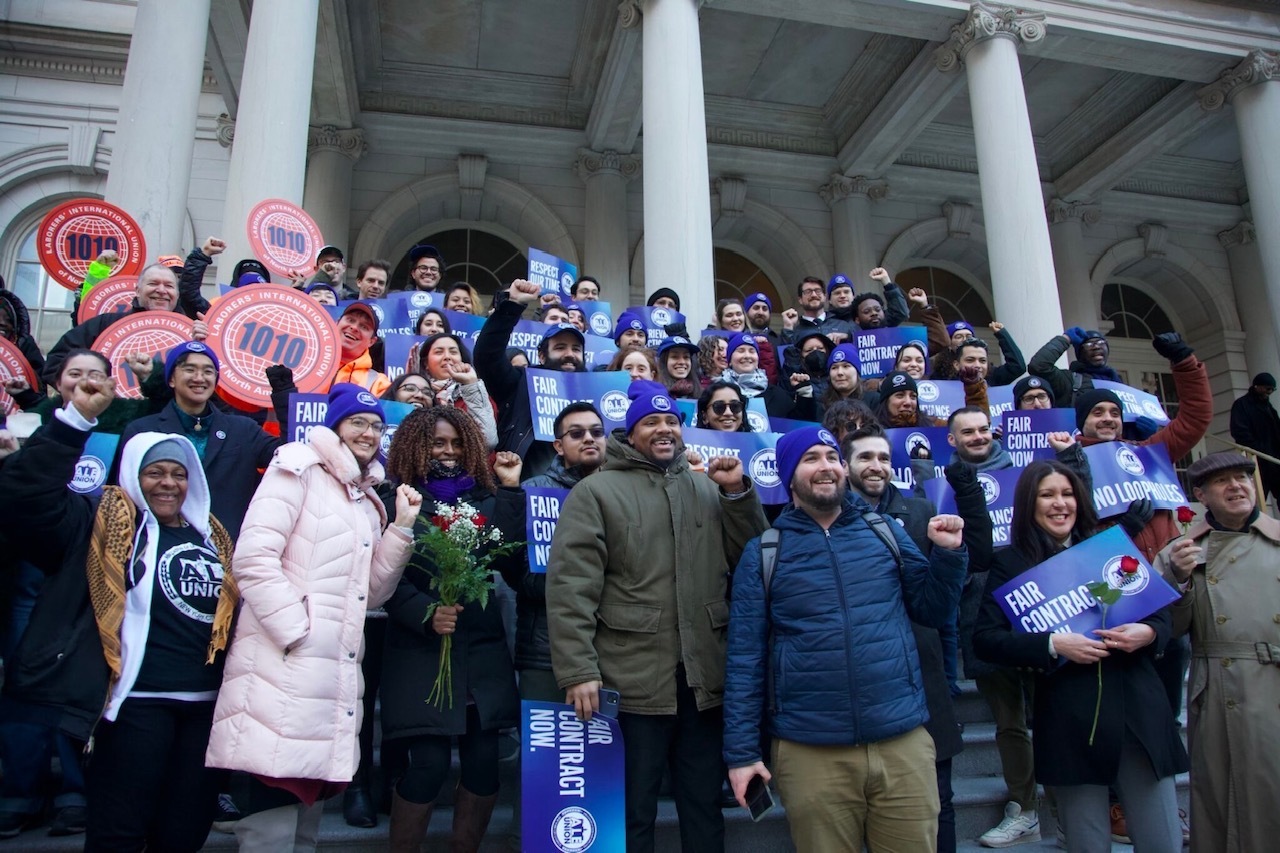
(578, 433)
(719, 407)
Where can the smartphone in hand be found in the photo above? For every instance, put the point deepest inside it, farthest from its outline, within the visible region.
(609, 701)
(759, 798)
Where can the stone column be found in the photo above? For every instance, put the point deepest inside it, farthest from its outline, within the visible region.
(1075, 288)
(850, 201)
(677, 187)
(1021, 259)
(1253, 90)
(607, 254)
(1249, 283)
(269, 151)
(156, 128)
(326, 195)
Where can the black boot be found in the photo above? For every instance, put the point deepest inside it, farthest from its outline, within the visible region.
(357, 806)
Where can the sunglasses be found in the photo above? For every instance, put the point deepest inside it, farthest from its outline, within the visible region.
(578, 433)
(720, 406)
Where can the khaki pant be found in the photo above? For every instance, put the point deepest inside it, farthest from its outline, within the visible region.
(838, 797)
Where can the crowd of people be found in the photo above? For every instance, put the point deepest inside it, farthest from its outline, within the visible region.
(210, 636)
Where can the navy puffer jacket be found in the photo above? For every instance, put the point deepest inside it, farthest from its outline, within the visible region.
(846, 669)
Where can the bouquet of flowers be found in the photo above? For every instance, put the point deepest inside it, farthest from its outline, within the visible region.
(460, 547)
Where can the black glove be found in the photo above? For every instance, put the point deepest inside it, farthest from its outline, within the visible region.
(920, 451)
(1170, 345)
(280, 377)
(1137, 516)
(676, 330)
(962, 476)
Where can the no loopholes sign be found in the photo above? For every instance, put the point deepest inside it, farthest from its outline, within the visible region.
(283, 236)
(110, 296)
(13, 365)
(254, 327)
(75, 232)
(152, 333)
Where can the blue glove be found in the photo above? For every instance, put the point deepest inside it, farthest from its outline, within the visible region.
(1145, 427)
(1075, 334)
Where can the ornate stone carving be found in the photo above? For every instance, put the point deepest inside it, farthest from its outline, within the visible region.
(1155, 237)
(82, 146)
(629, 13)
(472, 169)
(1064, 211)
(1258, 67)
(959, 218)
(984, 21)
(226, 131)
(1241, 235)
(733, 194)
(348, 142)
(591, 163)
(841, 187)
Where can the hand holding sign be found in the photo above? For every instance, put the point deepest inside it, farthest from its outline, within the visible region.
(1128, 637)
(1078, 648)
(199, 329)
(585, 698)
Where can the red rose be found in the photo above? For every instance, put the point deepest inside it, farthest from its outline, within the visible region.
(1128, 565)
(480, 520)
(441, 522)
(1185, 515)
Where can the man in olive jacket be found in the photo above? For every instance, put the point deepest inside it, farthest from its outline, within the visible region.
(636, 599)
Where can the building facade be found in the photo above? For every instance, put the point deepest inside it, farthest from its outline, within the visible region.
(1103, 163)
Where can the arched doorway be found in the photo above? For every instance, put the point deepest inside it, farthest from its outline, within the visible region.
(955, 297)
(485, 261)
(737, 276)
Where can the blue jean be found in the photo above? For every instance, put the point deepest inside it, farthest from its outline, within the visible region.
(26, 748)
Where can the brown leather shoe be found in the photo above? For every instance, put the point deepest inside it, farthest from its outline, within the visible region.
(471, 815)
(1119, 828)
(408, 824)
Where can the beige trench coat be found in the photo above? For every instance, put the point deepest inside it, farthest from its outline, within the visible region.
(1232, 612)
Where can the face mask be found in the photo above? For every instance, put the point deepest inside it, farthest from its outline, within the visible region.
(816, 361)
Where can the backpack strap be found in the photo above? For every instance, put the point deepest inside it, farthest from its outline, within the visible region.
(768, 562)
(880, 528)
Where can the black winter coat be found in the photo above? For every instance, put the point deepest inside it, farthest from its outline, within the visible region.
(1135, 707)
(237, 448)
(81, 337)
(481, 664)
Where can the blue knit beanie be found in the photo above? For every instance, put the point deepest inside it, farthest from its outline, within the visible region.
(795, 444)
(171, 360)
(648, 398)
(347, 399)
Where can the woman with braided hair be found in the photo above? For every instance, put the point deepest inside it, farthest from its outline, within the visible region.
(439, 451)
(123, 648)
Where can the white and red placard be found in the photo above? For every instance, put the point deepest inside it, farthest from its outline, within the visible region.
(110, 296)
(283, 236)
(76, 232)
(254, 327)
(153, 333)
(13, 365)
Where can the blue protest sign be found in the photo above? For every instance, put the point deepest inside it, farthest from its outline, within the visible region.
(94, 463)
(307, 411)
(599, 318)
(542, 511)
(393, 314)
(527, 335)
(999, 400)
(572, 791)
(394, 413)
(1123, 473)
(1054, 596)
(551, 390)
(552, 274)
(782, 426)
(938, 398)
(903, 441)
(1137, 403)
(401, 350)
(755, 449)
(997, 488)
(1025, 433)
(655, 319)
(877, 348)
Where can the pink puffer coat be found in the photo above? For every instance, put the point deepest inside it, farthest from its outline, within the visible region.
(311, 559)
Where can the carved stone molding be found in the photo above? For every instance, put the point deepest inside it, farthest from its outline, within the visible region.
(591, 163)
(629, 13)
(226, 130)
(472, 169)
(984, 21)
(1063, 211)
(841, 187)
(959, 219)
(1241, 235)
(1258, 67)
(732, 190)
(82, 147)
(348, 142)
(1155, 236)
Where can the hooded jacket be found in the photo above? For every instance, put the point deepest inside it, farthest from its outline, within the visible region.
(637, 579)
(84, 646)
(14, 307)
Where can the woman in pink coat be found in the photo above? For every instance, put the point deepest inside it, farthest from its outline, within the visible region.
(311, 559)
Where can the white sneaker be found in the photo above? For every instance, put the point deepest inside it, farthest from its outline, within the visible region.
(1018, 827)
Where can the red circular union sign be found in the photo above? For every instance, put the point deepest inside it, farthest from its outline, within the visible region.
(283, 236)
(252, 328)
(13, 365)
(151, 332)
(110, 296)
(75, 232)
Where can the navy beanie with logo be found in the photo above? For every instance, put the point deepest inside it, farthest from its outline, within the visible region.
(794, 445)
(347, 399)
(648, 398)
